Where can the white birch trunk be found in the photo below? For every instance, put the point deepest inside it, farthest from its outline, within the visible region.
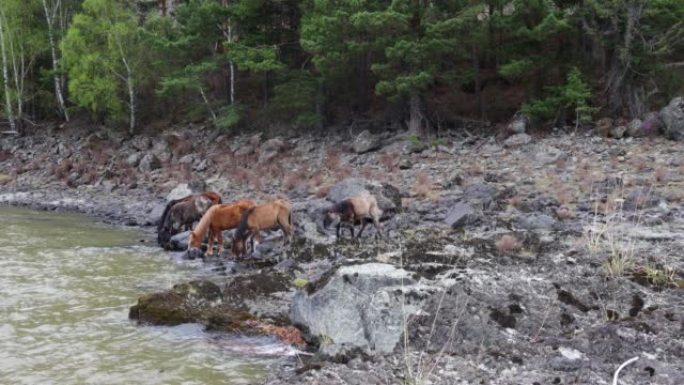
(131, 94)
(55, 61)
(5, 75)
(232, 67)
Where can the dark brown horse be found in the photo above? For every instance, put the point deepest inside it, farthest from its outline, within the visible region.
(182, 213)
(276, 214)
(363, 208)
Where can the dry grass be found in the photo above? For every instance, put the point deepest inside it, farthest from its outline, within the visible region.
(507, 244)
(423, 185)
(515, 201)
(323, 191)
(661, 174)
(390, 160)
(564, 213)
(295, 178)
(333, 159)
(563, 196)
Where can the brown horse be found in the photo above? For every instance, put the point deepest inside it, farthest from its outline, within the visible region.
(263, 217)
(217, 219)
(183, 212)
(362, 208)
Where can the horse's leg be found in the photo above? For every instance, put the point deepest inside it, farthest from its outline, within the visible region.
(351, 228)
(378, 227)
(256, 235)
(210, 244)
(363, 227)
(339, 224)
(219, 240)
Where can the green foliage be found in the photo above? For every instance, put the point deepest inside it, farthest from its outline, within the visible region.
(295, 100)
(575, 96)
(228, 117)
(102, 40)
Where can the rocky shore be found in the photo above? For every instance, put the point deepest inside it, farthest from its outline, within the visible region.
(509, 260)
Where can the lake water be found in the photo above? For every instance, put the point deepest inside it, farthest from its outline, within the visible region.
(66, 284)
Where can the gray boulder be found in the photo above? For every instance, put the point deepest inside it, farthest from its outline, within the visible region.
(480, 195)
(270, 149)
(461, 214)
(134, 159)
(672, 116)
(536, 221)
(180, 191)
(634, 128)
(365, 142)
(517, 140)
(618, 132)
(179, 242)
(141, 143)
(359, 309)
(149, 162)
(162, 150)
(519, 124)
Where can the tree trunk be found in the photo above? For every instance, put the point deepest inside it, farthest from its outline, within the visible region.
(5, 76)
(55, 63)
(131, 94)
(416, 120)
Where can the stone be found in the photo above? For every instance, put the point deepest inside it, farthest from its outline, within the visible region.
(365, 142)
(460, 215)
(480, 194)
(518, 124)
(359, 308)
(186, 159)
(134, 159)
(634, 128)
(149, 163)
(270, 149)
(517, 140)
(162, 150)
(536, 221)
(346, 188)
(245, 150)
(672, 116)
(652, 124)
(141, 143)
(545, 154)
(179, 242)
(178, 192)
(618, 132)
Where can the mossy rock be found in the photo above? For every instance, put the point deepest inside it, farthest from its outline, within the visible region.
(201, 289)
(166, 308)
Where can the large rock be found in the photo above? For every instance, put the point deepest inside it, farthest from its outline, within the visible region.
(134, 159)
(366, 142)
(480, 195)
(518, 124)
(634, 128)
(517, 140)
(162, 150)
(359, 308)
(149, 162)
(673, 118)
(652, 124)
(179, 242)
(180, 191)
(536, 221)
(460, 215)
(270, 149)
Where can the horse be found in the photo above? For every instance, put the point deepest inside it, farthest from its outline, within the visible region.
(363, 208)
(276, 214)
(217, 219)
(175, 218)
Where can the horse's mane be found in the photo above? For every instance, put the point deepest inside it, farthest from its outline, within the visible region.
(241, 232)
(214, 197)
(201, 228)
(342, 207)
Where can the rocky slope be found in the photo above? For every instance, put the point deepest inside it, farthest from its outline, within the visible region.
(524, 260)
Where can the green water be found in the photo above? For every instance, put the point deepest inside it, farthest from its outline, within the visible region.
(66, 284)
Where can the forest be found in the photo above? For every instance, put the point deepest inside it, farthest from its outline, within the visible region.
(312, 64)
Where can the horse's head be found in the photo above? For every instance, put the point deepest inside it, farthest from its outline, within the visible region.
(238, 247)
(330, 217)
(194, 241)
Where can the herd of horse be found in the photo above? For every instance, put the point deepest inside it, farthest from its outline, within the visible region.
(249, 219)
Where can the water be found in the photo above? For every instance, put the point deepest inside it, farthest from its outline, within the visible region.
(66, 284)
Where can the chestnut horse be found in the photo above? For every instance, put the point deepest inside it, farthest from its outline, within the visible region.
(363, 208)
(183, 212)
(263, 217)
(217, 219)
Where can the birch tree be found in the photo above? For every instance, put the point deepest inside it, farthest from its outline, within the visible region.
(52, 10)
